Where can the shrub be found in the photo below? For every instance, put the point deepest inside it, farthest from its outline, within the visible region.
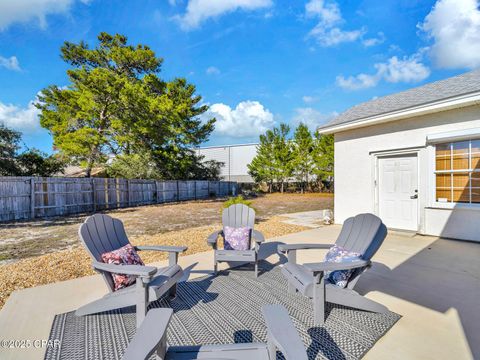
(236, 200)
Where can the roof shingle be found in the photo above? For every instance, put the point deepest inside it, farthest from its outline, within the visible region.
(439, 90)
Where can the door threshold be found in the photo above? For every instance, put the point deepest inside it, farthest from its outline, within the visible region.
(403, 232)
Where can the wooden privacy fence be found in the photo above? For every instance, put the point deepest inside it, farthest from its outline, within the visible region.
(37, 197)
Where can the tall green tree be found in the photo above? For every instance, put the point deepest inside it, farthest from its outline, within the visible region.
(303, 145)
(117, 104)
(31, 162)
(323, 157)
(34, 162)
(262, 168)
(282, 154)
(9, 145)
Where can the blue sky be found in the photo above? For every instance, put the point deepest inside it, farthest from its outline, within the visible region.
(255, 62)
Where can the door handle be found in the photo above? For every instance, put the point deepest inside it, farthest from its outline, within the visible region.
(414, 197)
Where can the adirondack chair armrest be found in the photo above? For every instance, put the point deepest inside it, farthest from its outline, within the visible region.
(331, 266)
(136, 270)
(282, 334)
(175, 249)
(257, 236)
(291, 249)
(150, 336)
(285, 248)
(213, 237)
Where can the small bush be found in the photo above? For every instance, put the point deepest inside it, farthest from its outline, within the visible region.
(236, 200)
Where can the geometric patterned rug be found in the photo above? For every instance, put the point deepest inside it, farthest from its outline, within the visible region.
(224, 309)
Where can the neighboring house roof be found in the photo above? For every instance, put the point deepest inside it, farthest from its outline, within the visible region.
(77, 171)
(422, 98)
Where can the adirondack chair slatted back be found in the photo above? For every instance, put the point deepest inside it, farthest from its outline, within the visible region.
(363, 234)
(239, 215)
(101, 233)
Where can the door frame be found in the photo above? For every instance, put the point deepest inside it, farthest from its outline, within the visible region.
(375, 177)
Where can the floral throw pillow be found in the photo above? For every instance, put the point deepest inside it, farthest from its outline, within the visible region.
(236, 238)
(338, 254)
(126, 255)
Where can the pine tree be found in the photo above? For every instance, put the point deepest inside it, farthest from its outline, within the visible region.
(323, 157)
(302, 155)
(116, 104)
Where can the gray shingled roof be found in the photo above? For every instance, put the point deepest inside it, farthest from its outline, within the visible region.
(438, 90)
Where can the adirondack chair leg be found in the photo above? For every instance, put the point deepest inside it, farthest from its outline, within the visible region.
(172, 292)
(272, 349)
(142, 300)
(215, 267)
(292, 289)
(161, 352)
(256, 268)
(319, 300)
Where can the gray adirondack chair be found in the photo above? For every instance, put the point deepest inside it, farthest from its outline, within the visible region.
(237, 215)
(363, 234)
(102, 233)
(150, 339)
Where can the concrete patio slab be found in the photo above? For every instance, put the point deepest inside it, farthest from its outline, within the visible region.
(433, 283)
(312, 219)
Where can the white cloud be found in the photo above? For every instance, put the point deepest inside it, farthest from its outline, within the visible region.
(200, 10)
(311, 117)
(328, 32)
(360, 81)
(454, 27)
(380, 39)
(23, 11)
(248, 118)
(309, 99)
(23, 119)
(212, 70)
(10, 63)
(409, 70)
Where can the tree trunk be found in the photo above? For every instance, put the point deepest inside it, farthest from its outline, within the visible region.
(88, 170)
(281, 187)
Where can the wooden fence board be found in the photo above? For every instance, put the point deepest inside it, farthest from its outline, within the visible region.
(37, 197)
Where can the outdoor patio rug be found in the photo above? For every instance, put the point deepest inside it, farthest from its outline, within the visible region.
(224, 309)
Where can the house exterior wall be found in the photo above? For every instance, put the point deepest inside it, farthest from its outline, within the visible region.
(235, 159)
(356, 152)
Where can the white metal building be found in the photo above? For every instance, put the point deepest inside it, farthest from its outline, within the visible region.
(413, 158)
(235, 159)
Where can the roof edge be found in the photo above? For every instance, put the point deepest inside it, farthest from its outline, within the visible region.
(419, 110)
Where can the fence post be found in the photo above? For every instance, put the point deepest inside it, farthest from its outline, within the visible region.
(208, 189)
(178, 192)
(94, 196)
(195, 189)
(128, 192)
(32, 198)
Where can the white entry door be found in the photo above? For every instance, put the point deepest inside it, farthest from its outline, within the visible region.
(398, 191)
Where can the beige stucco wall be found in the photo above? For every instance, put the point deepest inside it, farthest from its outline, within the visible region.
(355, 155)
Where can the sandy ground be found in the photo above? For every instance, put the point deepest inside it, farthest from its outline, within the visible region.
(25, 239)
